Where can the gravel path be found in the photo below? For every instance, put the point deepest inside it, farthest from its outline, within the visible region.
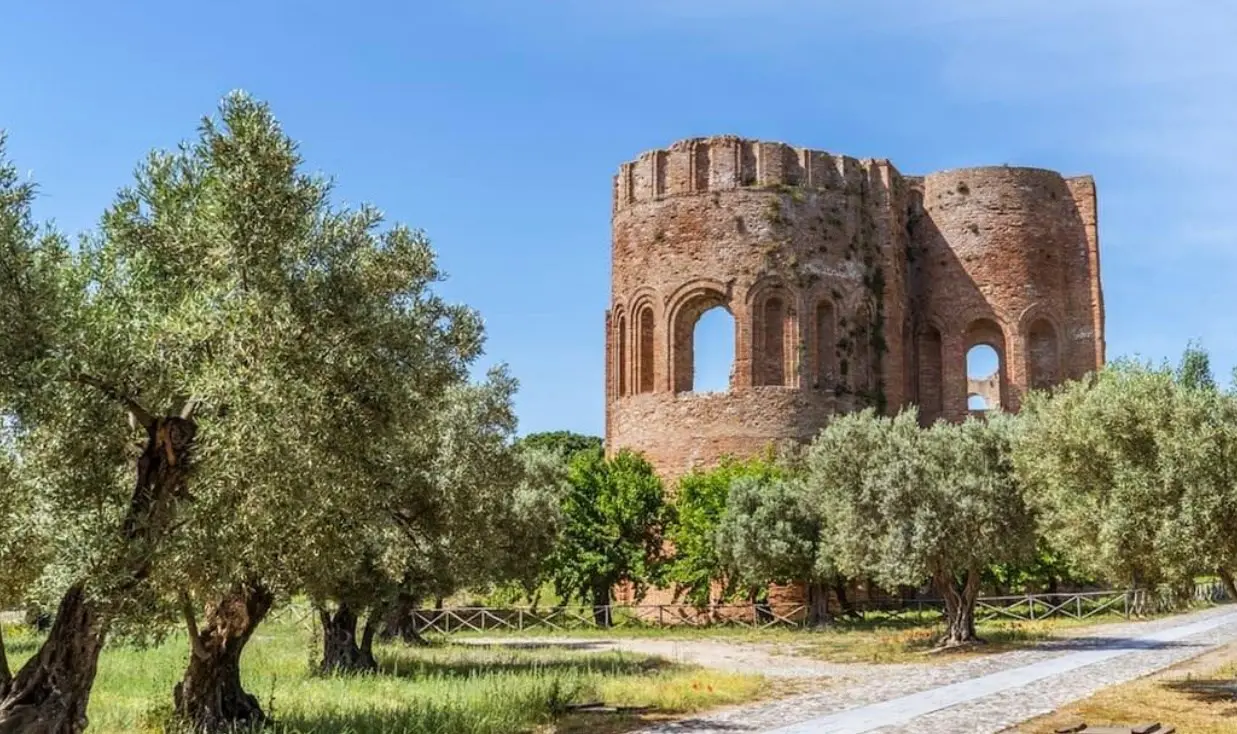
(983, 715)
(1018, 685)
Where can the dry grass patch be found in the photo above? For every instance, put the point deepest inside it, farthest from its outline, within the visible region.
(1198, 696)
(916, 644)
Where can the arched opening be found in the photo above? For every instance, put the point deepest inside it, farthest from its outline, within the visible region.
(976, 403)
(712, 351)
(621, 357)
(1043, 361)
(985, 344)
(930, 366)
(645, 340)
(826, 344)
(772, 358)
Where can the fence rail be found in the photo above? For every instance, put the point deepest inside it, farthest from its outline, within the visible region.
(1023, 607)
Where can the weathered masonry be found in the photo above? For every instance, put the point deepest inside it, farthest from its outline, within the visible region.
(849, 283)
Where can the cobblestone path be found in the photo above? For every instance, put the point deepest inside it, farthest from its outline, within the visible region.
(981, 695)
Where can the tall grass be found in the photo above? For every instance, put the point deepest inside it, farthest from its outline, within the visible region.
(447, 689)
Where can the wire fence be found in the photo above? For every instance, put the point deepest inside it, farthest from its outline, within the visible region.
(1023, 607)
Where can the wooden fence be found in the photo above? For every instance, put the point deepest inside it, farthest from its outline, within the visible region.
(1024, 607)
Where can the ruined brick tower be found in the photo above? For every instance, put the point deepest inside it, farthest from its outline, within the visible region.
(850, 285)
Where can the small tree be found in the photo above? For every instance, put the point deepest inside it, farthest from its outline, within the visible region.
(612, 532)
(699, 504)
(906, 503)
(772, 532)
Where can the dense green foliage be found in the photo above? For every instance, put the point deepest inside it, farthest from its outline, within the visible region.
(613, 522)
(564, 443)
(700, 501)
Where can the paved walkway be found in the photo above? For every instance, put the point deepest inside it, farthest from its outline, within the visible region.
(982, 695)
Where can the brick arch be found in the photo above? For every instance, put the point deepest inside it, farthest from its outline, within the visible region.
(987, 330)
(621, 351)
(685, 307)
(1041, 333)
(822, 313)
(772, 312)
(645, 317)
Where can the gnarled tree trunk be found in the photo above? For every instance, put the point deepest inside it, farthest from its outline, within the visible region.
(959, 608)
(1230, 587)
(817, 604)
(398, 621)
(210, 697)
(50, 693)
(341, 652)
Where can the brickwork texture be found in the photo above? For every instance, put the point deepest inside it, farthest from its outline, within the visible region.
(850, 285)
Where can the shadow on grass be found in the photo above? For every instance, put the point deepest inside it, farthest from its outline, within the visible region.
(467, 661)
(1209, 691)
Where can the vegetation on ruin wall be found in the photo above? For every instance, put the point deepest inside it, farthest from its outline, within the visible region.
(865, 327)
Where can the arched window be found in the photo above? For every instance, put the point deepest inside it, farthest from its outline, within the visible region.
(713, 351)
(702, 357)
(645, 340)
(985, 344)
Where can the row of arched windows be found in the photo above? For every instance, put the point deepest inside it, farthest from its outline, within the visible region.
(985, 350)
(701, 356)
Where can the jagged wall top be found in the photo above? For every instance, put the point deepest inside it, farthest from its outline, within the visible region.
(719, 163)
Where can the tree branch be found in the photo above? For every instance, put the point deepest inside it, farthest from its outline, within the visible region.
(191, 622)
(138, 413)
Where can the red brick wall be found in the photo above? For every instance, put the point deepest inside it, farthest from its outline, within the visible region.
(780, 236)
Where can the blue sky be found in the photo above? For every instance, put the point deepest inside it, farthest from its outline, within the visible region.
(496, 127)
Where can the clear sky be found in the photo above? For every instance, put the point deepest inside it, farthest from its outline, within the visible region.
(496, 127)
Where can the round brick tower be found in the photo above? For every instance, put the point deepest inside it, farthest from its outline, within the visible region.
(1009, 260)
(849, 285)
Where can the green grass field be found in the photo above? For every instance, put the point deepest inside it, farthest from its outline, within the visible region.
(446, 689)
(468, 689)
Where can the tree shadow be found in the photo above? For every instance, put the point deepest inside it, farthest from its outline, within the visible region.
(1101, 642)
(1208, 691)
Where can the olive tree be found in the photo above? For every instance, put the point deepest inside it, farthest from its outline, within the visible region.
(465, 508)
(907, 504)
(262, 344)
(1092, 456)
(772, 532)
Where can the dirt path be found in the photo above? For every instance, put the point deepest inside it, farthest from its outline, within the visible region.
(981, 694)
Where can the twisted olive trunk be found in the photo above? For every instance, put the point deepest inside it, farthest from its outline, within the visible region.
(210, 697)
(50, 693)
(341, 652)
(1230, 587)
(399, 621)
(817, 604)
(959, 608)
